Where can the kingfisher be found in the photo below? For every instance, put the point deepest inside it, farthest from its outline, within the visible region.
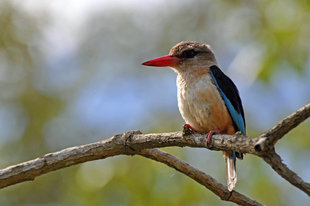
(208, 100)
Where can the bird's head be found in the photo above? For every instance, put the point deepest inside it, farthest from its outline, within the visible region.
(185, 56)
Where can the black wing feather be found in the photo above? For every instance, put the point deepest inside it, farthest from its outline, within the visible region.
(229, 89)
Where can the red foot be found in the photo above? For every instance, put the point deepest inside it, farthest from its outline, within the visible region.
(189, 127)
(212, 132)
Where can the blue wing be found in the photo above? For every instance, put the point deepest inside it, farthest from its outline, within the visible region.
(230, 95)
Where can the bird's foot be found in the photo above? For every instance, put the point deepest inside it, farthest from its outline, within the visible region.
(187, 126)
(187, 129)
(211, 133)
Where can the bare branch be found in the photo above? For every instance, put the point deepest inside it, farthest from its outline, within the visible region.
(219, 142)
(200, 177)
(127, 143)
(274, 160)
(269, 138)
(26, 171)
(133, 142)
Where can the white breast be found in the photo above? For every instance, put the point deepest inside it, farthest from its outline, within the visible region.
(201, 105)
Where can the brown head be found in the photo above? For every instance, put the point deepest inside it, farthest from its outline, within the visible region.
(186, 55)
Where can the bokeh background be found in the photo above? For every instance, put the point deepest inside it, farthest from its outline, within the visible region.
(70, 74)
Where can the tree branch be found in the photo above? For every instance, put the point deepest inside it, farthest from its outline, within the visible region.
(200, 177)
(133, 142)
(269, 138)
(275, 161)
(128, 143)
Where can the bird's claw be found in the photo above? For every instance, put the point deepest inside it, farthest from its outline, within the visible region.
(187, 126)
(210, 134)
(187, 129)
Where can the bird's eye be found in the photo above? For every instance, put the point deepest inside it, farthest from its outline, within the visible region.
(189, 53)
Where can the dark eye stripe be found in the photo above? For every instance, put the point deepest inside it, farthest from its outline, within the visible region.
(189, 54)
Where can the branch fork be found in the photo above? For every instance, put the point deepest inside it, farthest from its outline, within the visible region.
(134, 142)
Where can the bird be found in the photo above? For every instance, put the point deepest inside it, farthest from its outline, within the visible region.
(208, 100)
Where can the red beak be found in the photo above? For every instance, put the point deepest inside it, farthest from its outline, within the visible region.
(165, 61)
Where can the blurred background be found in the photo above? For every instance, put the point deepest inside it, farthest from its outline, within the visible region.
(71, 74)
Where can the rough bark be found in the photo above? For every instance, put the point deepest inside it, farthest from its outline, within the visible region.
(134, 142)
